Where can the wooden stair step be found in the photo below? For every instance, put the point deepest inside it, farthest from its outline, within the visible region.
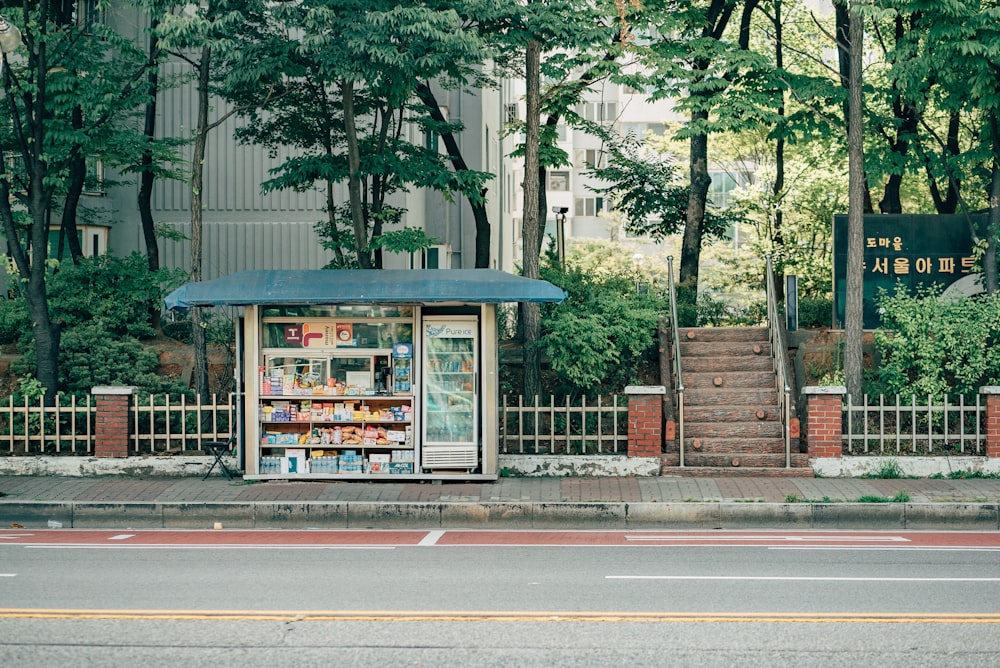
(735, 460)
(717, 334)
(741, 472)
(730, 412)
(750, 445)
(724, 365)
(739, 396)
(729, 379)
(724, 349)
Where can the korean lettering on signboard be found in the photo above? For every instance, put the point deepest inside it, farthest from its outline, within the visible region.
(907, 250)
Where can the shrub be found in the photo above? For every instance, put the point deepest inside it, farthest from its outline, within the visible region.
(601, 333)
(930, 345)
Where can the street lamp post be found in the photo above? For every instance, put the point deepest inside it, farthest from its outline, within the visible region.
(561, 212)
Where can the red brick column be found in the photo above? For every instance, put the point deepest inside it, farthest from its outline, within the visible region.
(992, 395)
(645, 420)
(111, 430)
(824, 420)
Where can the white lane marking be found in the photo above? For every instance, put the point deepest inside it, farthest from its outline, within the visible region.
(8, 575)
(784, 578)
(122, 536)
(842, 539)
(12, 536)
(179, 546)
(431, 538)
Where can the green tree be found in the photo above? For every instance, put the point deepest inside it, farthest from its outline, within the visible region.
(355, 78)
(215, 38)
(67, 98)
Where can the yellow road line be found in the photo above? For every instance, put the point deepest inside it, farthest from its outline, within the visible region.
(498, 616)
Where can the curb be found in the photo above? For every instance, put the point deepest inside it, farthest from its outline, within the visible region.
(500, 515)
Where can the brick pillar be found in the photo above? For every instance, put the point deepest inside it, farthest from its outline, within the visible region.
(992, 395)
(111, 431)
(645, 420)
(824, 420)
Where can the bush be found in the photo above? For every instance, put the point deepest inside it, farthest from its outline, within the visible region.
(815, 312)
(936, 346)
(103, 305)
(600, 335)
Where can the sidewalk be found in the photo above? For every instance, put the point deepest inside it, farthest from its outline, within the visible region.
(592, 503)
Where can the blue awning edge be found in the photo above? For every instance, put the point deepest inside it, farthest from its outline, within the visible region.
(280, 287)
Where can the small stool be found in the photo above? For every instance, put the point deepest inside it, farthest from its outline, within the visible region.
(217, 449)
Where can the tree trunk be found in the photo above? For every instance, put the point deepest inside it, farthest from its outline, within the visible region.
(853, 316)
(197, 180)
(146, 176)
(531, 226)
(354, 179)
(687, 287)
(993, 226)
(68, 228)
(778, 241)
(843, 20)
(479, 213)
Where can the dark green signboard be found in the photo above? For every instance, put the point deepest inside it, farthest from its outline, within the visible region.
(911, 250)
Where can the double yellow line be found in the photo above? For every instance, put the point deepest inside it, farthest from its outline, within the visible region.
(498, 616)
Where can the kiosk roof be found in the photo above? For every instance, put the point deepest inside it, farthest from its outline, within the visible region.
(361, 286)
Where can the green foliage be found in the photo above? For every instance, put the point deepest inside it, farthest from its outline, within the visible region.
(102, 305)
(113, 293)
(406, 240)
(936, 346)
(815, 312)
(90, 357)
(597, 338)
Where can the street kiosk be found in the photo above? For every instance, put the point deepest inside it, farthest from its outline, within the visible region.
(367, 374)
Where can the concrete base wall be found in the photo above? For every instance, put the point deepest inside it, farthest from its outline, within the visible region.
(170, 467)
(920, 467)
(608, 466)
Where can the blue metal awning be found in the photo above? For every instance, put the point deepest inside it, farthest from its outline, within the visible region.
(359, 286)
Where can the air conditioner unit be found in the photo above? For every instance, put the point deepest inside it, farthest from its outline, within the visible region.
(437, 257)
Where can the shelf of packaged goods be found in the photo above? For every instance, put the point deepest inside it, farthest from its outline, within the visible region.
(336, 397)
(313, 423)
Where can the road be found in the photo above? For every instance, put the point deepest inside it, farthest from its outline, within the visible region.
(482, 598)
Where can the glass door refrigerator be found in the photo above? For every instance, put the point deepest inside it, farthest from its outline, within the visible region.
(450, 392)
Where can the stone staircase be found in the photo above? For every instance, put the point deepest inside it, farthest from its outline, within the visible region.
(732, 423)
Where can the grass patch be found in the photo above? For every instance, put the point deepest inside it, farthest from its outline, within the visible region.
(886, 469)
(899, 497)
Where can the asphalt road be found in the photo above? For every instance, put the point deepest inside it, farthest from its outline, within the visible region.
(480, 598)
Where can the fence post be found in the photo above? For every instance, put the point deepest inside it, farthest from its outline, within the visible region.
(824, 420)
(111, 428)
(645, 420)
(992, 395)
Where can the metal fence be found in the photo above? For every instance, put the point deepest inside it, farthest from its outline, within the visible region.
(536, 428)
(931, 427)
(159, 424)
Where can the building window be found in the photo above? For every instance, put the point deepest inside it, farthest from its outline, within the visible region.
(588, 206)
(94, 183)
(511, 113)
(559, 180)
(89, 15)
(590, 158)
(722, 187)
(599, 112)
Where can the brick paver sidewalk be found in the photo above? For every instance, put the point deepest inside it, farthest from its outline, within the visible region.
(543, 490)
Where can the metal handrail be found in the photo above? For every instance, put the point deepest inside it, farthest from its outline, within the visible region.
(779, 353)
(678, 375)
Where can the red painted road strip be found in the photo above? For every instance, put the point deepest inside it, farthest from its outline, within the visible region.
(355, 538)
